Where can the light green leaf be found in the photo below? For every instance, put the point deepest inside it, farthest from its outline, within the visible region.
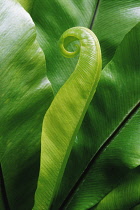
(25, 94)
(64, 116)
(27, 4)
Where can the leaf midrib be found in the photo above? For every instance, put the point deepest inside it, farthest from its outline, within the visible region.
(94, 15)
(99, 152)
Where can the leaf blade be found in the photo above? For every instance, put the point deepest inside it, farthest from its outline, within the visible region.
(125, 196)
(57, 137)
(25, 93)
(115, 162)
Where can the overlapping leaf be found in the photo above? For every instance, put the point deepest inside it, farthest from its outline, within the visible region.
(116, 96)
(110, 22)
(52, 18)
(124, 196)
(112, 167)
(25, 94)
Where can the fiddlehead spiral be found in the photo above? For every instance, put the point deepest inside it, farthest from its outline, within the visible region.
(65, 115)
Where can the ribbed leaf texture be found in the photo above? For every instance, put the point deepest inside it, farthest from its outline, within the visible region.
(105, 154)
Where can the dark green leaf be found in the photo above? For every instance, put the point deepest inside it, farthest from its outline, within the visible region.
(137, 207)
(106, 171)
(2, 194)
(25, 94)
(124, 196)
(112, 22)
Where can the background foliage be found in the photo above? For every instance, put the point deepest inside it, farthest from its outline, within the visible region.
(105, 156)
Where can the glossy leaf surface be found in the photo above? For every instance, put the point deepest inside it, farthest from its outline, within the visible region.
(109, 169)
(111, 22)
(113, 101)
(67, 109)
(51, 25)
(25, 94)
(117, 95)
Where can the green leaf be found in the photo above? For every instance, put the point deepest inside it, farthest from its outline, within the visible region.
(113, 102)
(111, 22)
(52, 18)
(27, 4)
(25, 94)
(116, 161)
(125, 196)
(118, 84)
(68, 109)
